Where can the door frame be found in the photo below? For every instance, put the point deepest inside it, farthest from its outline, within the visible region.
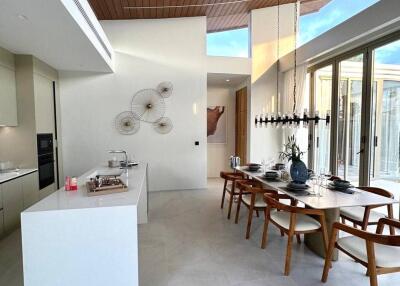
(244, 125)
(366, 104)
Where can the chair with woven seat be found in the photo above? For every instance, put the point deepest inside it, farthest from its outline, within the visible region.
(379, 253)
(230, 189)
(292, 220)
(251, 195)
(364, 216)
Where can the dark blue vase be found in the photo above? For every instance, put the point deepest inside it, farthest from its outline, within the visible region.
(299, 171)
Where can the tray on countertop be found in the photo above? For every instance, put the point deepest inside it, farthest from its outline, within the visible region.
(105, 185)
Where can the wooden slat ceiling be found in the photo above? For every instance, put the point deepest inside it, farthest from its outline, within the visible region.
(232, 15)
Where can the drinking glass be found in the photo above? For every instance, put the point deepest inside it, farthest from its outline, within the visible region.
(263, 165)
(327, 176)
(316, 185)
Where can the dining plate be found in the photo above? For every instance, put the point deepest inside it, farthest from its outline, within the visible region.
(333, 186)
(349, 190)
(298, 192)
(297, 186)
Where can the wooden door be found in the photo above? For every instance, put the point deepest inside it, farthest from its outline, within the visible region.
(241, 125)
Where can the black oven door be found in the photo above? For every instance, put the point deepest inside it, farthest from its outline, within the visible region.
(46, 170)
(45, 143)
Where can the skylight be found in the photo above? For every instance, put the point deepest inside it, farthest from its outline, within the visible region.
(233, 43)
(335, 12)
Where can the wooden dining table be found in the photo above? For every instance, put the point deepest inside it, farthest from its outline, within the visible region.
(328, 200)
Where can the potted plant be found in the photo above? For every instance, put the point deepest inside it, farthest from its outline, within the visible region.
(292, 152)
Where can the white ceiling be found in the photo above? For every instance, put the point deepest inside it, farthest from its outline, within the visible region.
(225, 79)
(45, 29)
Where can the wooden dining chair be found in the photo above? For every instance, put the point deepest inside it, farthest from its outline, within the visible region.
(251, 195)
(365, 216)
(230, 179)
(292, 220)
(379, 253)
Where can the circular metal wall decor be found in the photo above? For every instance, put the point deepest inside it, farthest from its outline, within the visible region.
(165, 89)
(126, 123)
(147, 105)
(163, 126)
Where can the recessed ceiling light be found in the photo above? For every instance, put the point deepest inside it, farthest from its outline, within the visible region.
(227, 80)
(22, 17)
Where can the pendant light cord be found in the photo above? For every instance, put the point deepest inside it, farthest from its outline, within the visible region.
(295, 57)
(277, 53)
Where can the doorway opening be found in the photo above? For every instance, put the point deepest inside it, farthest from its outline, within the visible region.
(227, 121)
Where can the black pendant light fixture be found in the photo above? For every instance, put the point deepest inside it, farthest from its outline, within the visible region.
(294, 119)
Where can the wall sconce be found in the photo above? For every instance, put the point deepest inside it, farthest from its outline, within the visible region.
(194, 108)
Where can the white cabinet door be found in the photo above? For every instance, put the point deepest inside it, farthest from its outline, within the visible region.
(12, 204)
(30, 189)
(44, 104)
(1, 222)
(1, 199)
(1, 214)
(47, 191)
(8, 97)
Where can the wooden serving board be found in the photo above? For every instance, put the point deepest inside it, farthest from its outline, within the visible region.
(106, 190)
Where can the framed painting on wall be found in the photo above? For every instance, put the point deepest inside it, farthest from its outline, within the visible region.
(216, 124)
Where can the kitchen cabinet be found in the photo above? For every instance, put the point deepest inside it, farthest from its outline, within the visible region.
(12, 204)
(1, 223)
(8, 90)
(1, 215)
(15, 196)
(44, 104)
(8, 97)
(30, 189)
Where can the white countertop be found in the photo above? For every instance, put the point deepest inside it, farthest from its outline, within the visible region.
(65, 200)
(4, 177)
(329, 199)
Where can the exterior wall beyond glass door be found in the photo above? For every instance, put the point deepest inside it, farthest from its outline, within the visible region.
(384, 169)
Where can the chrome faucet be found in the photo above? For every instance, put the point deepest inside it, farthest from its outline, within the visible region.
(125, 163)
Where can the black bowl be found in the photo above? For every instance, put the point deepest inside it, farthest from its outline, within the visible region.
(254, 167)
(341, 183)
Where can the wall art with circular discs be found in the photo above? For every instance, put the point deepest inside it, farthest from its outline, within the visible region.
(147, 106)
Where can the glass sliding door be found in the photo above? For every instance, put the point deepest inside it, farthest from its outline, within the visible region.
(349, 118)
(362, 144)
(322, 132)
(385, 136)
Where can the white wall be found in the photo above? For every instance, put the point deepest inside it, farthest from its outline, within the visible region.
(218, 154)
(147, 52)
(265, 143)
(229, 65)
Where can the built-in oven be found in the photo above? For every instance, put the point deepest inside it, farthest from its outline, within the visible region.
(44, 143)
(45, 159)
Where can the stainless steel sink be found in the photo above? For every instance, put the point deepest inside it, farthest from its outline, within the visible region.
(106, 172)
(9, 171)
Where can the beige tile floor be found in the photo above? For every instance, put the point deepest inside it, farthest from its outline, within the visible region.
(188, 241)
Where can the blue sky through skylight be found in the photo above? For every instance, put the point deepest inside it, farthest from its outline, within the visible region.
(332, 14)
(233, 43)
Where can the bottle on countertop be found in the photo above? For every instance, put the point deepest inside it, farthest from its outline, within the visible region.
(67, 184)
(74, 184)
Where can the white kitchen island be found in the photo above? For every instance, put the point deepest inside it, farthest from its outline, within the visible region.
(69, 238)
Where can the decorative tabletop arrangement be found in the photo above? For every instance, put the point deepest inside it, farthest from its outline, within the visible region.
(292, 152)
